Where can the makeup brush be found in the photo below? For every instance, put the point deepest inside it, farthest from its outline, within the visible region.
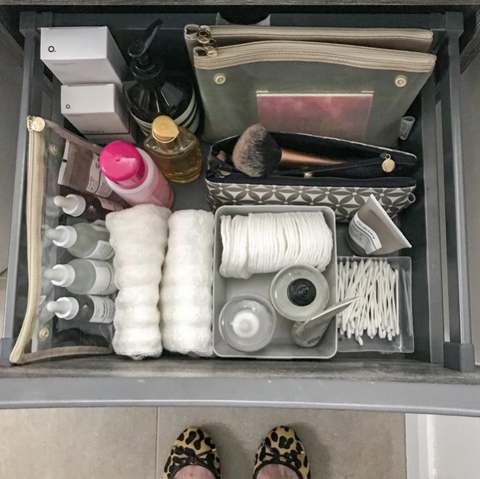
(257, 154)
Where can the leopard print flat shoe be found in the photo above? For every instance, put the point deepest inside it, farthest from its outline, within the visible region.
(282, 446)
(193, 448)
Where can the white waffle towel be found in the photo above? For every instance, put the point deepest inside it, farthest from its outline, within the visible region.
(186, 289)
(139, 237)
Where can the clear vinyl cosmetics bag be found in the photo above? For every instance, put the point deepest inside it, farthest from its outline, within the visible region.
(43, 335)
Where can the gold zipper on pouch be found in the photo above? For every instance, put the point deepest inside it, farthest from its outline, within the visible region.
(204, 34)
(388, 164)
(204, 38)
(310, 33)
(355, 56)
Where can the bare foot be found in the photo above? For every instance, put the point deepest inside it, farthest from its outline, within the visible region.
(195, 472)
(276, 471)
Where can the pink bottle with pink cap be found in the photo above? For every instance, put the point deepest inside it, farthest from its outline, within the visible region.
(133, 175)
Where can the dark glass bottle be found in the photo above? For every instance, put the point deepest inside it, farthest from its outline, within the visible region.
(84, 309)
(92, 315)
(154, 91)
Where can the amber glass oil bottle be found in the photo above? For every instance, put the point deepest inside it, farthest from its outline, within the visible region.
(175, 150)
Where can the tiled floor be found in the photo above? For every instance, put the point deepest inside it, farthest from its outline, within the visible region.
(133, 443)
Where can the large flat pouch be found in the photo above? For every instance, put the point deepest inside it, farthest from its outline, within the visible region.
(43, 335)
(336, 90)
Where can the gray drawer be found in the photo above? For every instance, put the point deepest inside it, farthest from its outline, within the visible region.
(439, 377)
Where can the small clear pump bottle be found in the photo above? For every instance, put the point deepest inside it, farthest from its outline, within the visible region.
(83, 240)
(83, 276)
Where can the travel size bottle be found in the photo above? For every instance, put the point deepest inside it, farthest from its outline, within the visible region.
(90, 208)
(175, 150)
(83, 276)
(155, 91)
(83, 240)
(84, 309)
(92, 315)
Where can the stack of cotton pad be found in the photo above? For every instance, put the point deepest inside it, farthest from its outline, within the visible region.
(268, 242)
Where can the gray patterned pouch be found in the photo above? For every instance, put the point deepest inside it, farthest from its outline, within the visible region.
(343, 189)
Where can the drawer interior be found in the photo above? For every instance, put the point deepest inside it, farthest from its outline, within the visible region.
(422, 222)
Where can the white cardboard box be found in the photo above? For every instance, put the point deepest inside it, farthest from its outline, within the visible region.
(95, 109)
(79, 55)
(105, 139)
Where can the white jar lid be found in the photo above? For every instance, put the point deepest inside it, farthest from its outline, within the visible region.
(65, 308)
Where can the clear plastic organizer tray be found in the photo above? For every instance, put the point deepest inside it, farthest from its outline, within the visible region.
(403, 342)
(224, 289)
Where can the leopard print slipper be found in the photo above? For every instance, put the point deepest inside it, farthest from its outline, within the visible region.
(282, 446)
(193, 448)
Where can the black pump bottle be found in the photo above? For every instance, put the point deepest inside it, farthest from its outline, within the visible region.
(155, 91)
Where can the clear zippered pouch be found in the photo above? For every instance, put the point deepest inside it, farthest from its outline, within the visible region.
(351, 92)
(43, 335)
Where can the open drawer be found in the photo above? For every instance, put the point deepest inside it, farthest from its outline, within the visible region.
(418, 382)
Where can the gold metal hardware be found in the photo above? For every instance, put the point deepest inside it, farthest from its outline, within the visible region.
(388, 164)
(220, 78)
(204, 35)
(401, 81)
(36, 123)
(210, 48)
(307, 175)
(53, 149)
(43, 334)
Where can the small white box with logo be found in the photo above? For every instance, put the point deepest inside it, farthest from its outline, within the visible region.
(79, 55)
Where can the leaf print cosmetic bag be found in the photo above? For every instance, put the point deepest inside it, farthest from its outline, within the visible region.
(344, 189)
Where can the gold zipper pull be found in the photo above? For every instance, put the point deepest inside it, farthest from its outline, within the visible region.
(204, 34)
(388, 165)
(224, 174)
(36, 123)
(204, 37)
(210, 48)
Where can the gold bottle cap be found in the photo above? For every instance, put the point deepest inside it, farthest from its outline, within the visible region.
(164, 129)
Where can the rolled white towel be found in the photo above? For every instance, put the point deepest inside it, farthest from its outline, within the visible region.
(139, 237)
(186, 289)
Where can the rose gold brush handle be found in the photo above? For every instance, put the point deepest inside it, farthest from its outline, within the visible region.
(294, 160)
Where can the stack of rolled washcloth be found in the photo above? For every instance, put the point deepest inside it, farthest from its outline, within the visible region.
(139, 237)
(186, 289)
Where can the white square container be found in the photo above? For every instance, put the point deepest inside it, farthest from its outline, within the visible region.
(95, 109)
(79, 55)
(224, 289)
